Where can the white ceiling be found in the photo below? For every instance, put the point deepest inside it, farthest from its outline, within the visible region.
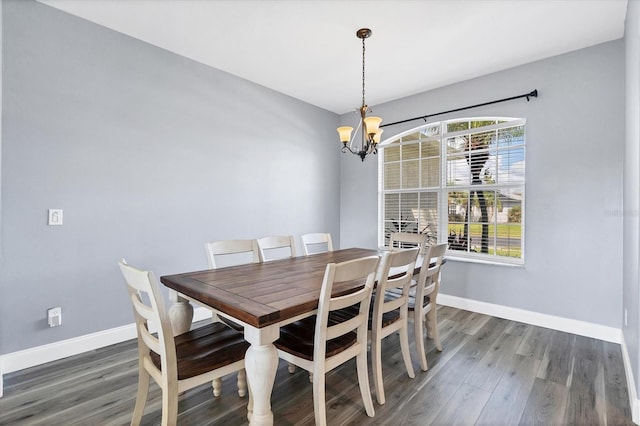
(308, 49)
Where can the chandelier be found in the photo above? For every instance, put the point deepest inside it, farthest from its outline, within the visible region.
(369, 127)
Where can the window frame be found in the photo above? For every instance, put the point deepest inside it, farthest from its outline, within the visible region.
(443, 189)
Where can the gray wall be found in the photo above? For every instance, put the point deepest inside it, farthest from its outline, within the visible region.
(150, 155)
(575, 141)
(631, 185)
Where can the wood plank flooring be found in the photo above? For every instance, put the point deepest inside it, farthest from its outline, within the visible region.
(491, 372)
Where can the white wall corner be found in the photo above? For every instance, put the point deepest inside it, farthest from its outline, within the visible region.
(631, 383)
(31, 357)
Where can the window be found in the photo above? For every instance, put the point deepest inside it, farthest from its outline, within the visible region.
(458, 181)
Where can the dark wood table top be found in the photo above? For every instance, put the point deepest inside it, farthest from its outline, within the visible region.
(261, 294)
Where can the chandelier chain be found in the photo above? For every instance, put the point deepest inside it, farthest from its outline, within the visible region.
(363, 101)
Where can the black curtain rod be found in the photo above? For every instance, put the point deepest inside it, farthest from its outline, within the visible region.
(532, 94)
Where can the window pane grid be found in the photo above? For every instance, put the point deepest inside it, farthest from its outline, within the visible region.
(415, 212)
(392, 176)
(392, 153)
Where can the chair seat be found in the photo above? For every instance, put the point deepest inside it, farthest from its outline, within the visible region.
(206, 348)
(298, 337)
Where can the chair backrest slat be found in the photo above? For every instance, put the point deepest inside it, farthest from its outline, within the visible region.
(342, 302)
(227, 249)
(408, 240)
(345, 327)
(143, 310)
(316, 243)
(276, 244)
(151, 341)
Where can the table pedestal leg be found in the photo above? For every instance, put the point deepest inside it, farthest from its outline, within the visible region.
(261, 363)
(180, 313)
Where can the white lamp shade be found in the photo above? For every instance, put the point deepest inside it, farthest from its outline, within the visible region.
(372, 124)
(345, 133)
(377, 136)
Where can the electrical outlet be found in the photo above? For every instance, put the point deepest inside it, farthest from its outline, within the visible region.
(54, 316)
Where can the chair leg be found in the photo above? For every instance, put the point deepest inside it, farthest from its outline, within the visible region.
(216, 384)
(319, 403)
(242, 383)
(141, 396)
(170, 404)
(363, 382)
(406, 355)
(376, 364)
(419, 339)
(432, 327)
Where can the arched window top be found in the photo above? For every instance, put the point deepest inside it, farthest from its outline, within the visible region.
(434, 130)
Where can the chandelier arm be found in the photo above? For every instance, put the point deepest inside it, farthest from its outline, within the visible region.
(346, 148)
(362, 154)
(364, 146)
(355, 134)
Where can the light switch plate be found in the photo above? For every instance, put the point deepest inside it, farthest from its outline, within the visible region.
(54, 316)
(55, 216)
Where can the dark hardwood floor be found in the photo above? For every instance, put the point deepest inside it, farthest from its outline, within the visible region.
(491, 372)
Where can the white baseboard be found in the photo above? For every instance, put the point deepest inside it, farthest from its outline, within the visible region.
(42, 354)
(631, 383)
(582, 328)
(53, 351)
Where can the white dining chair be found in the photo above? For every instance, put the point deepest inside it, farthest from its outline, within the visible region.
(423, 305)
(422, 300)
(318, 242)
(390, 314)
(321, 342)
(276, 247)
(177, 363)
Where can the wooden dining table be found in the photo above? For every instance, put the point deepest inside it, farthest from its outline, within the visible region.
(261, 297)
